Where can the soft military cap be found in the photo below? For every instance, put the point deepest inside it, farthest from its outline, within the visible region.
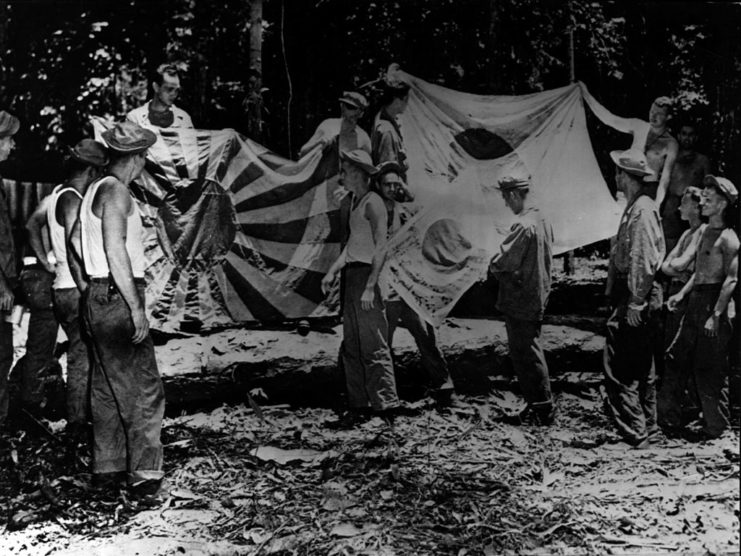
(724, 185)
(90, 152)
(361, 159)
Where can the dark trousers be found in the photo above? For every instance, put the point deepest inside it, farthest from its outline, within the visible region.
(67, 306)
(127, 397)
(6, 360)
(629, 371)
(528, 362)
(399, 313)
(42, 334)
(366, 357)
(700, 360)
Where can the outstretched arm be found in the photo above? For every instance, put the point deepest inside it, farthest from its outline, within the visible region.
(626, 125)
(666, 172)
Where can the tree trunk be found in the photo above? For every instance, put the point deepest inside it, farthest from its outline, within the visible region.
(254, 87)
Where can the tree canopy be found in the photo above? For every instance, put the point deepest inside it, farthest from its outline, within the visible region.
(64, 61)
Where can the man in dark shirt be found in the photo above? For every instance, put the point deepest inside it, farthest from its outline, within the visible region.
(9, 125)
(523, 268)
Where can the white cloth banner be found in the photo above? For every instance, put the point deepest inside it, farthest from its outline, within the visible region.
(459, 145)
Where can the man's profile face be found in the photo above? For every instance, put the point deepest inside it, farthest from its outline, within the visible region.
(7, 144)
(713, 202)
(140, 159)
(350, 113)
(351, 177)
(687, 137)
(168, 91)
(658, 115)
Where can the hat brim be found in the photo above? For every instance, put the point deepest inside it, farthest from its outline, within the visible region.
(369, 168)
(149, 138)
(77, 156)
(638, 172)
(712, 181)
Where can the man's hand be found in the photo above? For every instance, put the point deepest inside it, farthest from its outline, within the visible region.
(711, 326)
(633, 316)
(6, 299)
(327, 282)
(48, 266)
(340, 193)
(673, 301)
(141, 326)
(366, 300)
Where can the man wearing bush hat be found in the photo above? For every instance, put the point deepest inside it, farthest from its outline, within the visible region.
(127, 398)
(523, 269)
(366, 357)
(9, 125)
(84, 165)
(633, 327)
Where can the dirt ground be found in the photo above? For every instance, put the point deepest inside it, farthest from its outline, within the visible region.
(254, 478)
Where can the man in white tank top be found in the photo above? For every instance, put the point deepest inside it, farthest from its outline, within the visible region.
(84, 164)
(369, 371)
(127, 397)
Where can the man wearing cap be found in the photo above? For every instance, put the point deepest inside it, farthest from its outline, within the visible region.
(523, 268)
(651, 138)
(350, 136)
(84, 165)
(127, 397)
(161, 110)
(633, 327)
(701, 349)
(688, 170)
(390, 186)
(9, 125)
(369, 372)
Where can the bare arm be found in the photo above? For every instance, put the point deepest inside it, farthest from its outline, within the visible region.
(674, 300)
(37, 228)
(730, 256)
(666, 172)
(116, 205)
(626, 125)
(329, 278)
(377, 216)
(677, 262)
(67, 213)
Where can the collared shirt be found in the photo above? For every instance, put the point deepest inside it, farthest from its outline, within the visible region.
(140, 116)
(8, 263)
(638, 249)
(386, 142)
(523, 267)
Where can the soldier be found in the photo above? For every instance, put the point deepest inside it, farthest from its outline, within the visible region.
(701, 349)
(9, 125)
(633, 327)
(161, 110)
(127, 397)
(523, 268)
(369, 371)
(84, 165)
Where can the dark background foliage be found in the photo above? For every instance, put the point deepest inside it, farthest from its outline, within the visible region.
(64, 60)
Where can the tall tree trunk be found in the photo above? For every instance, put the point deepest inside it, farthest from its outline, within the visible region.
(4, 18)
(254, 87)
(495, 68)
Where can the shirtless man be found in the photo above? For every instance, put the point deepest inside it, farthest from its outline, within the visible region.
(651, 137)
(701, 348)
(689, 169)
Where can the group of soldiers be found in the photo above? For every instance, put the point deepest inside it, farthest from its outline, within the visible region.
(93, 280)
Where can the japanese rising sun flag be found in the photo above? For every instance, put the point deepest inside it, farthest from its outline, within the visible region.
(234, 232)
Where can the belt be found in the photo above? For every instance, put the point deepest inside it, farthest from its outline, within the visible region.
(109, 279)
(358, 265)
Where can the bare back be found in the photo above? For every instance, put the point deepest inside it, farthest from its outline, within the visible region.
(715, 252)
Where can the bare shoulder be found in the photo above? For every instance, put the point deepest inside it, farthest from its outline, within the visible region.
(729, 241)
